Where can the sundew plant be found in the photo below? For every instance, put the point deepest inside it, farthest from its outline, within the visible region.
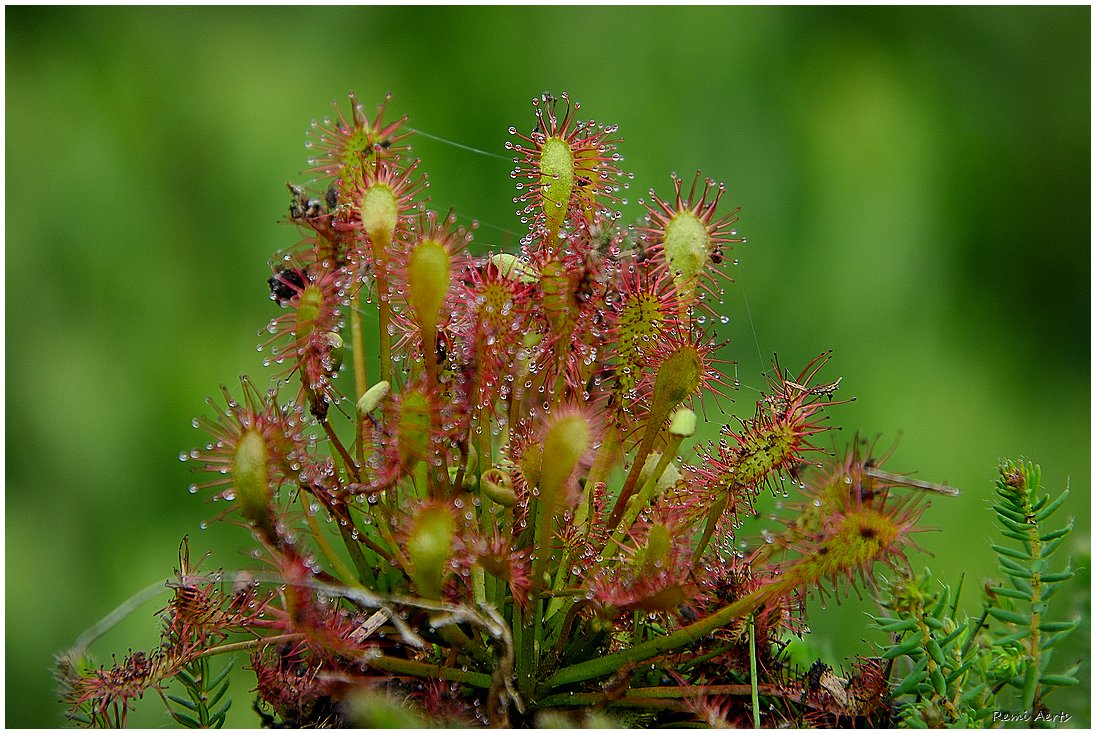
(483, 514)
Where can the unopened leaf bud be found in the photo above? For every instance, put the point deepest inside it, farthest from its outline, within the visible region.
(372, 397)
(683, 423)
(498, 486)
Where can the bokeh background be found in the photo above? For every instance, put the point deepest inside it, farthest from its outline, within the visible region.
(914, 184)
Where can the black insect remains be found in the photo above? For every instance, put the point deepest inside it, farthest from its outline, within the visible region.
(284, 284)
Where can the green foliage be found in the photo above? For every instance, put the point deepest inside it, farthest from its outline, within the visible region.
(206, 702)
(1023, 636)
(939, 686)
(965, 672)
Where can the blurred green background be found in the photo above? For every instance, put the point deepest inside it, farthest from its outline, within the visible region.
(914, 184)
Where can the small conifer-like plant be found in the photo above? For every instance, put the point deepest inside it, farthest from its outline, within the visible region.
(481, 514)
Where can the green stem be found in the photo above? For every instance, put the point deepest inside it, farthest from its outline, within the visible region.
(644, 497)
(369, 542)
(753, 677)
(716, 512)
(365, 574)
(555, 602)
(479, 586)
(361, 383)
(348, 460)
(931, 665)
(532, 648)
(525, 651)
(608, 664)
(396, 554)
(427, 671)
(247, 644)
(599, 470)
(694, 662)
(384, 315)
(486, 458)
(517, 395)
(567, 626)
(341, 569)
(437, 477)
(972, 635)
(1034, 635)
(654, 426)
(644, 696)
(455, 637)
(462, 463)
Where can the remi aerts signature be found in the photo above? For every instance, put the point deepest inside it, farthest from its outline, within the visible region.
(1043, 716)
